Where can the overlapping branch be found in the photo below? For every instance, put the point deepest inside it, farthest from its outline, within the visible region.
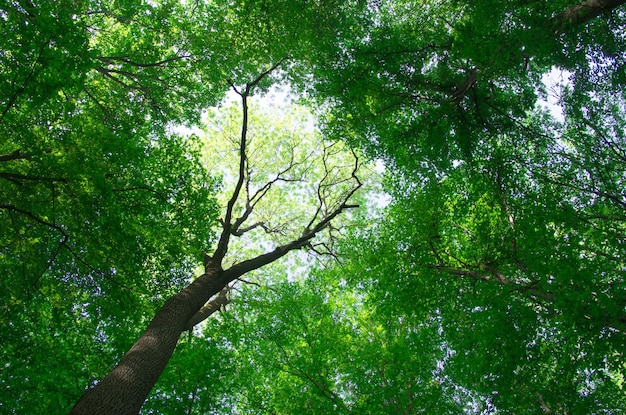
(334, 192)
(216, 304)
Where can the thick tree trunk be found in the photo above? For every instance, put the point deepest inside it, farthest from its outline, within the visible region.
(124, 390)
(584, 11)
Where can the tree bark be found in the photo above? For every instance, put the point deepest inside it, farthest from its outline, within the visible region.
(210, 308)
(584, 11)
(126, 387)
(16, 155)
(124, 390)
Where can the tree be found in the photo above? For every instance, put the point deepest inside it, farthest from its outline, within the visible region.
(99, 199)
(105, 210)
(492, 283)
(126, 387)
(457, 106)
(438, 82)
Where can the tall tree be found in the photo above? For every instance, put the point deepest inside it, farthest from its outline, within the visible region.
(105, 210)
(500, 254)
(126, 387)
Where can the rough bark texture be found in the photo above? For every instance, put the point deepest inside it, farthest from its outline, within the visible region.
(584, 11)
(125, 388)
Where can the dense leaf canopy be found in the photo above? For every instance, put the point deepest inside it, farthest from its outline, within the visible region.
(489, 279)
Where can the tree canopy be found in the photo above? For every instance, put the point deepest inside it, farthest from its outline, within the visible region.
(153, 193)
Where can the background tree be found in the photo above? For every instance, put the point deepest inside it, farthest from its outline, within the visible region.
(450, 98)
(99, 198)
(436, 78)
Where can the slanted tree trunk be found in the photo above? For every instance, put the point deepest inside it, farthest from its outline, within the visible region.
(126, 387)
(584, 11)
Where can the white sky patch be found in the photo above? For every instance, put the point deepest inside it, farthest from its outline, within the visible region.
(183, 130)
(377, 198)
(554, 82)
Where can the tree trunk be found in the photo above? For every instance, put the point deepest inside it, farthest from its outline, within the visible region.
(126, 387)
(584, 11)
(124, 390)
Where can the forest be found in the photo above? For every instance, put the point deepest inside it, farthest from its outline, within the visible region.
(350, 207)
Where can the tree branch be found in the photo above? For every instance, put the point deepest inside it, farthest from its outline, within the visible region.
(16, 177)
(583, 12)
(254, 83)
(210, 308)
(37, 219)
(466, 85)
(238, 231)
(228, 226)
(222, 245)
(307, 235)
(16, 155)
(259, 194)
(343, 204)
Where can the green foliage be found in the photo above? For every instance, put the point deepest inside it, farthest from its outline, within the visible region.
(492, 283)
(428, 81)
(104, 211)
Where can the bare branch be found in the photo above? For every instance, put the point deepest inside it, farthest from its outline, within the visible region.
(466, 85)
(320, 186)
(312, 230)
(341, 205)
(31, 75)
(294, 370)
(237, 231)
(322, 249)
(254, 83)
(462, 272)
(107, 73)
(256, 284)
(63, 244)
(259, 194)
(228, 226)
(262, 191)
